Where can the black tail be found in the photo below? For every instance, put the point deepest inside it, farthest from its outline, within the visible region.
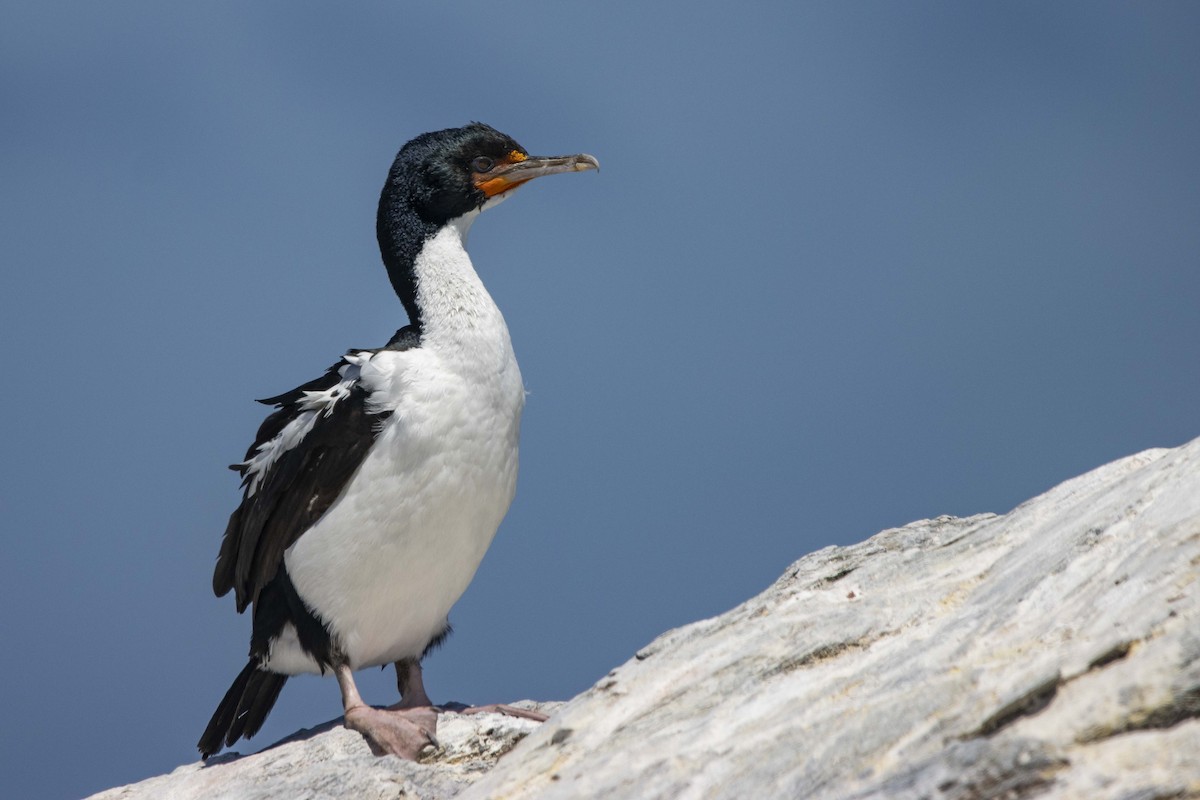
(243, 709)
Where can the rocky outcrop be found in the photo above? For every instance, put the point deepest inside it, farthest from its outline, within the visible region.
(1053, 650)
(330, 761)
(1050, 652)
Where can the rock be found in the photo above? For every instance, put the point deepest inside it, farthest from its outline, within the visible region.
(1053, 651)
(331, 761)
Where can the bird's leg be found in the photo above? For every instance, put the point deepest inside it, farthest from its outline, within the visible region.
(412, 695)
(402, 732)
(412, 688)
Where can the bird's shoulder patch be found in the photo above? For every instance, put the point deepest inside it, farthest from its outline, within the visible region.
(304, 455)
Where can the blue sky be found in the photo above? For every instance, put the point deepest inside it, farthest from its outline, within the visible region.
(846, 265)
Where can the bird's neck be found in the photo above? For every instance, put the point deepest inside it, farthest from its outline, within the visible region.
(442, 293)
(402, 234)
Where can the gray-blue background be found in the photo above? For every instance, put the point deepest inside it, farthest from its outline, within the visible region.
(847, 265)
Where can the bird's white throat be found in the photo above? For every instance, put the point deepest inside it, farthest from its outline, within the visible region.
(459, 319)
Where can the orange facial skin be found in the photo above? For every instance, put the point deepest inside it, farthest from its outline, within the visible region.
(492, 184)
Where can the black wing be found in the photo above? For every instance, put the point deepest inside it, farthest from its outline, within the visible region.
(291, 493)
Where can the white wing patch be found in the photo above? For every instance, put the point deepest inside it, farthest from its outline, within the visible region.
(311, 406)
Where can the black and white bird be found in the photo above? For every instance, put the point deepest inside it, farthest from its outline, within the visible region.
(373, 491)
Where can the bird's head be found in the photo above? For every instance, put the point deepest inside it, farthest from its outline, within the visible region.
(444, 174)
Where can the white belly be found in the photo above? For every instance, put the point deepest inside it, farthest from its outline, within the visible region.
(384, 565)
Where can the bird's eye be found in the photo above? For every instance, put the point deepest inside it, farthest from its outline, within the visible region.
(482, 164)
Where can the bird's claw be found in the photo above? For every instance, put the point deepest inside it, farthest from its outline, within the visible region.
(400, 732)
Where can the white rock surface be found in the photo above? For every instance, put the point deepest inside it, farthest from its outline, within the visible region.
(1053, 651)
(333, 762)
(1050, 652)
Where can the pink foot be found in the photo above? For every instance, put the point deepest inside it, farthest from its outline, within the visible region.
(401, 732)
(499, 708)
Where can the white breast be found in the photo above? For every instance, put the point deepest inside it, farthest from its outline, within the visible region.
(390, 557)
